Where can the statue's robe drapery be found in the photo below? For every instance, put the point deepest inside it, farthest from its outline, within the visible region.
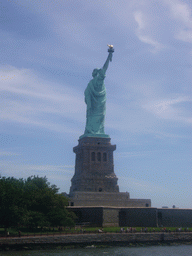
(95, 98)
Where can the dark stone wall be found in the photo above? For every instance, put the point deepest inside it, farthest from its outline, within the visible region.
(174, 217)
(134, 217)
(92, 216)
(138, 217)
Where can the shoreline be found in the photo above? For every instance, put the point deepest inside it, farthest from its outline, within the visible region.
(94, 240)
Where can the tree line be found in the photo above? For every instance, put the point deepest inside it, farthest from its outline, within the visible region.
(32, 203)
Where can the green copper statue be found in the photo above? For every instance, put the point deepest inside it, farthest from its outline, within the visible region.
(95, 98)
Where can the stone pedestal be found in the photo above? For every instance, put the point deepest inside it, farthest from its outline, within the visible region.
(94, 182)
(114, 199)
(94, 168)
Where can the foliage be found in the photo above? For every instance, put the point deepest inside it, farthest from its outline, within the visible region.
(32, 202)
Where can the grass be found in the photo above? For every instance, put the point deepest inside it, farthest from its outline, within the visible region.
(38, 231)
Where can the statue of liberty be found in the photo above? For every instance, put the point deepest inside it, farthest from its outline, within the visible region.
(95, 98)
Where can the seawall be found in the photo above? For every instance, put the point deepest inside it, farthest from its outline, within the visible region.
(90, 239)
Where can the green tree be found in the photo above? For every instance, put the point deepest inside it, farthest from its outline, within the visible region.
(12, 208)
(32, 202)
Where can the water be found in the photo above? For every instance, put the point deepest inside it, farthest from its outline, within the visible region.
(160, 250)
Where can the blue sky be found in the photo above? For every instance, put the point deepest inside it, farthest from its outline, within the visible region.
(48, 51)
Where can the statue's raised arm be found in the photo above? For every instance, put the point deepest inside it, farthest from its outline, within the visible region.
(109, 58)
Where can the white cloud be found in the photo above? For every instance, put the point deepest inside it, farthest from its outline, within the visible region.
(142, 185)
(170, 109)
(56, 174)
(137, 154)
(181, 12)
(7, 153)
(139, 17)
(27, 99)
(185, 36)
(25, 82)
(143, 31)
(17, 167)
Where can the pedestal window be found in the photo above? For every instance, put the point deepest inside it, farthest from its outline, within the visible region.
(104, 157)
(92, 156)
